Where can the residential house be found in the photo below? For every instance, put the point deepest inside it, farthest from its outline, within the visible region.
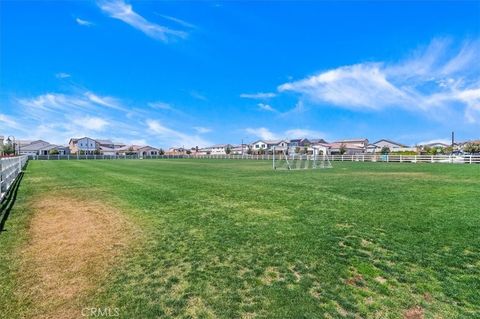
(437, 145)
(41, 147)
(140, 150)
(261, 146)
(239, 149)
(176, 151)
(393, 146)
(300, 142)
(84, 145)
(318, 141)
(351, 146)
(219, 149)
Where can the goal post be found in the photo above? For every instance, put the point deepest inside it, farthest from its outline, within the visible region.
(283, 159)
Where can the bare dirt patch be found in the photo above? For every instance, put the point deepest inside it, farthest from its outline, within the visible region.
(73, 244)
(414, 313)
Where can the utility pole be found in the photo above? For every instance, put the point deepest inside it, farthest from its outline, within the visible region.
(453, 140)
(242, 146)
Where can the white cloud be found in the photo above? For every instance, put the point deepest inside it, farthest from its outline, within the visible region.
(92, 123)
(198, 96)
(439, 140)
(266, 107)
(179, 21)
(202, 130)
(84, 22)
(172, 137)
(262, 133)
(120, 10)
(432, 80)
(62, 75)
(8, 121)
(258, 96)
(265, 134)
(160, 105)
(103, 100)
(303, 133)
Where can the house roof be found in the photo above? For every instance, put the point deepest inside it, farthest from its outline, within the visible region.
(339, 144)
(75, 139)
(389, 141)
(274, 141)
(35, 146)
(353, 140)
(318, 141)
(105, 142)
(220, 145)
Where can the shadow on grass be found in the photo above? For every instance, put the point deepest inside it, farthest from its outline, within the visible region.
(9, 200)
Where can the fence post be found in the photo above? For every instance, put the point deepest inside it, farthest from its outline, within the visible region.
(470, 159)
(431, 160)
(401, 159)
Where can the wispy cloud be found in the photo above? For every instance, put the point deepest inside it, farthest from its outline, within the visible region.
(179, 21)
(439, 140)
(261, 132)
(92, 123)
(266, 107)
(174, 137)
(266, 134)
(84, 23)
(202, 130)
(119, 9)
(62, 75)
(257, 96)
(106, 101)
(160, 106)
(433, 80)
(304, 133)
(8, 121)
(198, 96)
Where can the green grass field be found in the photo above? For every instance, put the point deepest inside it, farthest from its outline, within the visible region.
(235, 239)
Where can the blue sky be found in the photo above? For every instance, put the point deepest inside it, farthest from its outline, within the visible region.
(197, 73)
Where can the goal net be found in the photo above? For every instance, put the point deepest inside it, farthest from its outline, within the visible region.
(292, 161)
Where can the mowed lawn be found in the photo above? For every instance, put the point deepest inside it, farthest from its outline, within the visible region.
(235, 239)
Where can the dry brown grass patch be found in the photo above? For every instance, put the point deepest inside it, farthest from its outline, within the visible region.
(414, 313)
(73, 244)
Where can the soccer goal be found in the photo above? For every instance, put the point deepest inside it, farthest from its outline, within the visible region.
(284, 160)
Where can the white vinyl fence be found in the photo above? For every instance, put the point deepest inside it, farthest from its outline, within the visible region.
(458, 159)
(10, 168)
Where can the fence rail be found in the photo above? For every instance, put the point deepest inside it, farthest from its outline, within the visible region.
(456, 159)
(10, 168)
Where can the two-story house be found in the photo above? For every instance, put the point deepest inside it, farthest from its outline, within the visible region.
(84, 145)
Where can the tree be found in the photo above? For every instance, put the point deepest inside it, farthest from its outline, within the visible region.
(472, 147)
(8, 149)
(96, 152)
(189, 152)
(228, 150)
(249, 151)
(161, 151)
(343, 149)
(385, 150)
(54, 151)
(297, 150)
